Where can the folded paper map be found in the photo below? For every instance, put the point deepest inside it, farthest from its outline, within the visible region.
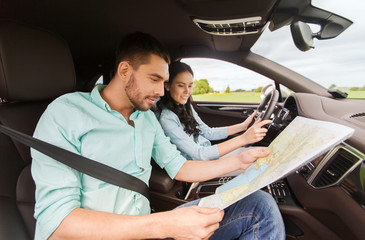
(301, 141)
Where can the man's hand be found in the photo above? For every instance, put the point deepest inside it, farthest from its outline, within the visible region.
(256, 132)
(181, 224)
(193, 222)
(249, 156)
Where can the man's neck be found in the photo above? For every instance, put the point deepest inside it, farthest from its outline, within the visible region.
(117, 101)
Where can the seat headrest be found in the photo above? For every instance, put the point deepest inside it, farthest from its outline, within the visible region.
(34, 64)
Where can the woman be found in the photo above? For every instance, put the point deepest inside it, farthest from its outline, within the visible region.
(188, 132)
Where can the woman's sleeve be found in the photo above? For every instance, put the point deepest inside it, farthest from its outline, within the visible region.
(216, 133)
(174, 130)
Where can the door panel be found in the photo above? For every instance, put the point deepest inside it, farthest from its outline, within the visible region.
(218, 114)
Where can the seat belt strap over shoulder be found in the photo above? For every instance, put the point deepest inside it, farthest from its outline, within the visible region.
(82, 164)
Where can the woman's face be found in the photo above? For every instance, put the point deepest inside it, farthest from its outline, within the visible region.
(181, 87)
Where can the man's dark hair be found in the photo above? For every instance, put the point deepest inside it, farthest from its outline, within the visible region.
(183, 112)
(136, 48)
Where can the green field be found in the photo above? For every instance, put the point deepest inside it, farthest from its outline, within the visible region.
(229, 97)
(252, 96)
(356, 94)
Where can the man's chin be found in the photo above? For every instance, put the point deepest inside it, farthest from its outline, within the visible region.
(144, 108)
(144, 105)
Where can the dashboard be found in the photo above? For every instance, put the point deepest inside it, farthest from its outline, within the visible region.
(344, 165)
(330, 188)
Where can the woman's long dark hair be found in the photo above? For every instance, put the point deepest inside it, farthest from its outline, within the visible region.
(183, 112)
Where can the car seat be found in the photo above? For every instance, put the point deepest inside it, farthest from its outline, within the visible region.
(36, 66)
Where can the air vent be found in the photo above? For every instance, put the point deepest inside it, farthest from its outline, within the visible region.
(335, 169)
(240, 26)
(358, 115)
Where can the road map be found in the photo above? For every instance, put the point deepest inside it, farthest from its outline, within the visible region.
(301, 141)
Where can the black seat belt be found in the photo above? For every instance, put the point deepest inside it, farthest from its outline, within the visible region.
(80, 163)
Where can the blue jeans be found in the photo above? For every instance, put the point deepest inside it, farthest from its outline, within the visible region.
(256, 216)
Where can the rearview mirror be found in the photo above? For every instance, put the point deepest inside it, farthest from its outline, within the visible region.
(302, 35)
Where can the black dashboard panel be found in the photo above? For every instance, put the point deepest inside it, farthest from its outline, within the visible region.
(354, 184)
(342, 166)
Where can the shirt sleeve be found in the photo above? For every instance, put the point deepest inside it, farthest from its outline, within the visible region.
(185, 143)
(166, 154)
(57, 185)
(215, 133)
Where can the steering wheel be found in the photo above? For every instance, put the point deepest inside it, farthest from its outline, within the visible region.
(266, 107)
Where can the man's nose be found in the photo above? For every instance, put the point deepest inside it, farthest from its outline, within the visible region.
(160, 89)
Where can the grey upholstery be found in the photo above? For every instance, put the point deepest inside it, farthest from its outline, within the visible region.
(36, 66)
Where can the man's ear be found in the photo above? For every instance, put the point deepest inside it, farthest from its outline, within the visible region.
(167, 86)
(124, 69)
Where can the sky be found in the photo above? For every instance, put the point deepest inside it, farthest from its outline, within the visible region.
(339, 61)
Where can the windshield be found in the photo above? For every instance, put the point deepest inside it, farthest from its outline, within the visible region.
(335, 63)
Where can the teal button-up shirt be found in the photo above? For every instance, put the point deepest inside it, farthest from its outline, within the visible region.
(85, 124)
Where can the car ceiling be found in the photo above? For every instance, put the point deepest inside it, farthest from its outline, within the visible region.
(93, 27)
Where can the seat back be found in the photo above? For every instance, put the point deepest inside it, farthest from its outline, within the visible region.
(36, 66)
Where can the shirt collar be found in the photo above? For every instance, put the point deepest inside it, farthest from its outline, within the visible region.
(135, 115)
(97, 99)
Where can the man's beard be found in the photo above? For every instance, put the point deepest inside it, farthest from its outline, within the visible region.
(135, 97)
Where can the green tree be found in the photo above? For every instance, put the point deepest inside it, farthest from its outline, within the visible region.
(201, 86)
(239, 90)
(228, 90)
(258, 89)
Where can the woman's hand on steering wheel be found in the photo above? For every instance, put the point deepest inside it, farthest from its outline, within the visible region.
(256, 132)
(266, 107)
(247, 123)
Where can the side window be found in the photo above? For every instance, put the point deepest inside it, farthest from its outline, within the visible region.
(284, 92)
(221, 81)
(100, 80)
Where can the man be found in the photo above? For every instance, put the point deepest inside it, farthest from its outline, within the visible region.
(112, 125)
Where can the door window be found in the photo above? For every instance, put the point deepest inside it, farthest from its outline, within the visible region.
(216, 80)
